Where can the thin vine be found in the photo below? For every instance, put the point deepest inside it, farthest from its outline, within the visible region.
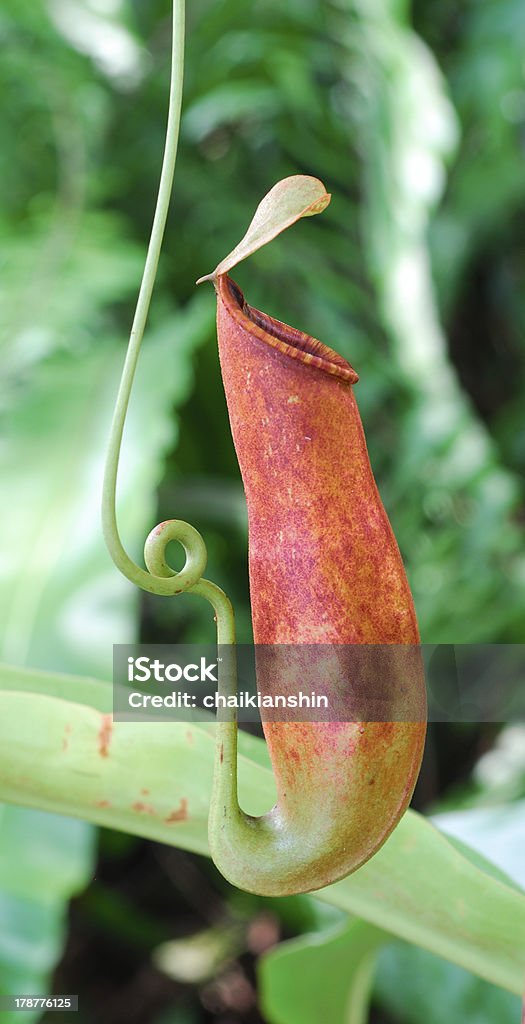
(159, 578)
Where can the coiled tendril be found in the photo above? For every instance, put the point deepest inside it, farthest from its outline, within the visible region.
(194, 547)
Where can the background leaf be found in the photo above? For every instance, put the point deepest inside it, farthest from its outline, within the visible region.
(496, 832)
(345, 960)
(418, 886)
(415, 985)
(62, 605)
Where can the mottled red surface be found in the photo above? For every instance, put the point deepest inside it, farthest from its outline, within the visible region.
(104, 735)
(142, 808)
(180, 813)
(325, 568)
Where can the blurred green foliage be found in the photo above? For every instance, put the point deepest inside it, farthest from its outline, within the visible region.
(415, 273)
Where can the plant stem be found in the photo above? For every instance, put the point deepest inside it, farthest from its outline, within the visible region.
(109, 520)
(159, 577)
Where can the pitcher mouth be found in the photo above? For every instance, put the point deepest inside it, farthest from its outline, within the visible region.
(287, 340)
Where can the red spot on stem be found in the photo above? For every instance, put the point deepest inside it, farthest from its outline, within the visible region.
(65, 741)
(142, 808)
(179, 814)
(104, 735)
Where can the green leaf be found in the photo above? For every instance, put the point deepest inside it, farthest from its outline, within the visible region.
(56, 866)
(321, 976)
(154, 779)
(498, 833)
(414, 986)
(289, 200)
(31, 939)
(62, 605)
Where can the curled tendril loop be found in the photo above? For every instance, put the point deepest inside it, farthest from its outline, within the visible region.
(194, 547)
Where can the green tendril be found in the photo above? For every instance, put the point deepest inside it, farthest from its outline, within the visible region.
(159, 578)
